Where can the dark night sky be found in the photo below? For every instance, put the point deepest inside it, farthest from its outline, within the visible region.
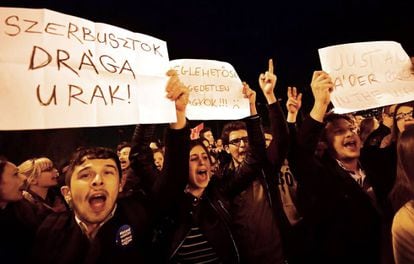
(246, 34)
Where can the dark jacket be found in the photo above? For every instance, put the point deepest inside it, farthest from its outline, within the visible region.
(211, 212)
(61, 240)
(124, 238)
(256, 212)
(374, 139)
(17, 232)
(346, 226)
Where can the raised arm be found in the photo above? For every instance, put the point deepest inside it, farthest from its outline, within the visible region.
(267, 82)
(177, 146)
(321, 88)
(176, 91)
(252, 163)
(312, 126)
(277, 149)
(142, 172)
(251, 95)
(162, 187)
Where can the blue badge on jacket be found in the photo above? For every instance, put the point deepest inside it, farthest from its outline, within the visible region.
(124, 236)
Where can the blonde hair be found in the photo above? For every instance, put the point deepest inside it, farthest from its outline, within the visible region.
(32, 168)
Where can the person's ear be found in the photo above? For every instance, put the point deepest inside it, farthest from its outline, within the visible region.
(65, 191)
(120, 187)
(33, 181)
(227, 149)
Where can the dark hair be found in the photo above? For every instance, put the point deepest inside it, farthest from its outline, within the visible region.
(122, 145)
(403, 189)
(204, 130)
(199, 142)
(394, 130)
(83, 153)
(266, 130)
(387, 109)
(366, 128)
(331, 118)
(3, 162)
(230, 127)
(160, 150)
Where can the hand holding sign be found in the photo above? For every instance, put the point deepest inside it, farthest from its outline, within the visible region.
(251, 95)
(321, 88)
(176, 91)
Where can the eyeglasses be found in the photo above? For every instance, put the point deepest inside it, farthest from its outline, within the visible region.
(236, 142)
(401, 116)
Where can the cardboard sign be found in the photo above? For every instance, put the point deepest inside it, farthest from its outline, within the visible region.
(59, 71)
(215, 90)
(368, 75)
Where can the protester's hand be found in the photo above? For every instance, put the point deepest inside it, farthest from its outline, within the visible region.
(267, 82)
(293, 104)
(251, 95)
(321, 87)
(178, 92)
(294, 100)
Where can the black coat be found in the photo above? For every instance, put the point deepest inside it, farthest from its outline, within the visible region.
(126, 237)
(18, 224)
(61, 240)
(256, 212)
(345, 225)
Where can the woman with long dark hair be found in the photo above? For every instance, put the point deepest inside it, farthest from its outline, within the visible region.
(403, 222)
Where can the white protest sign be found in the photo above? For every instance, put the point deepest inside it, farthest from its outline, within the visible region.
(61, 71)
(368, 75)
(215, 89)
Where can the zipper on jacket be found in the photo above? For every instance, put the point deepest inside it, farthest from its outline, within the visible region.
(179, 245)
(227, 227)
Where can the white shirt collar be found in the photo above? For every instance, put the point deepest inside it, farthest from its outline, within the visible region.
(84, 227)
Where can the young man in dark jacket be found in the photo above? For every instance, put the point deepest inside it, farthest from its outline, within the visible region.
(255, 212)
(102, 229)
(343, 198)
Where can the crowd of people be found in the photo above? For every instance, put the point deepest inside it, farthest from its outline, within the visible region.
(328, 189)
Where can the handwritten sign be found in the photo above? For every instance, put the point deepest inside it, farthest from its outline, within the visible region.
(215, 89)
(368, 75)
(61, 71)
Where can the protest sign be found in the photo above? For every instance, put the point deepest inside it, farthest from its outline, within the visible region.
(59, 71)
(368, 75)
(215, 89)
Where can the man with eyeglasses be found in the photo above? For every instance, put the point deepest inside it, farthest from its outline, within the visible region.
(404, 116)
(254, 218)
